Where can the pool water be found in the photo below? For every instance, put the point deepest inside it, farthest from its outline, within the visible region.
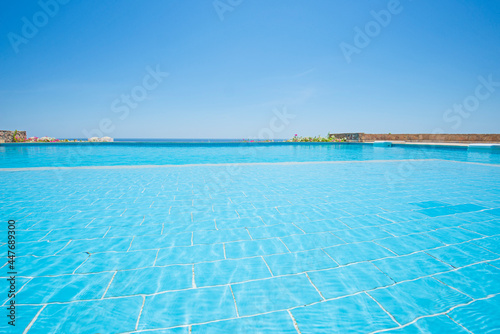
(370, 242)
(120, 153)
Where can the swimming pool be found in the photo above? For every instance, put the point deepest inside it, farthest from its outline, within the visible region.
(144, 153)
(295, 239)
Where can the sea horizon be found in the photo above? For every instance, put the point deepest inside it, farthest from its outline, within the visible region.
(183, 140)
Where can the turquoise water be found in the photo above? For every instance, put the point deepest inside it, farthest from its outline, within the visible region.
(350, 246)
(111, 154)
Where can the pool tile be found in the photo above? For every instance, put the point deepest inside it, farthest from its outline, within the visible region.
(494, 212)
(27, 236)
(41, 248)
(453, 209)
(175, 228)
(302, 242)
(489, 228)
(357, 252)
(186, 307)
(429, 325)
(481, 316)
(112, 220)
(284, 218)
(365, 221)
(350, 279)
(24, 315)
(325, 214)
(66, 288)
(76, 233)
(463, 254)
(362, 234)
(294, 209)
(230, 271)
(402, 216)
(322, 226)
(409, 300)
(224, 224)
(444, 221)
(353, 314)
(19, 283)
(317, 191)
(453, 235)
(273, 294)
(97, 245)
(235, 250)
(127, 231)
(277, 322)
(163, 241)
(436, 212)
(293, 263)
(492, 244)
(477, 216)
(495, 263)
(465, 208)
(411, 266)
(48, 265)
(118, 261)
(477, 281)
(151, 280)
(409, 243)
(99, 316)
(409, 227)
(190, 254)
(219, 236)
(429, 204)
(274, 231)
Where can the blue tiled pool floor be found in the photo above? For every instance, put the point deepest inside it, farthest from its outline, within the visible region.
(395, 246)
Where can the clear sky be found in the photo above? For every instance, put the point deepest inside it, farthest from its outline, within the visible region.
(72, 68)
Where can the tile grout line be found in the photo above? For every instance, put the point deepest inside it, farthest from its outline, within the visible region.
(284, 245)
(451, 287)
(156, 257)
(267, 265)
(104, 236)
(131, 241)
(310, 281)
(459, 324)
(234, 299)
(383, 308)
(140, 312)
(324, 251)
(109, 284)
(295, 324)
(81, 264)
(26, 330)
(193, 282)
(436, 314)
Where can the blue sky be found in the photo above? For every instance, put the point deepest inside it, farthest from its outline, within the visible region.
(374, 66)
